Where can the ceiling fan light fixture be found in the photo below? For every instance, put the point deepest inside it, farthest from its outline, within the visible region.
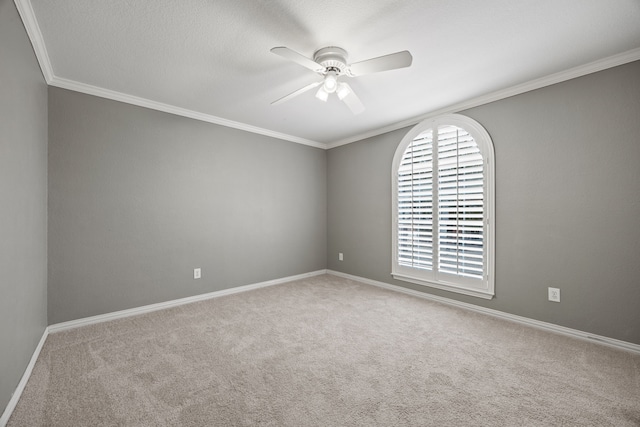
(331, 62)
(343, 91)
(330, 81)
(322, 94)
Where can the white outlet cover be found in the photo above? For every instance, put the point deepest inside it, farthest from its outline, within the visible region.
(340, 257)
(197, 273)
(554, 294)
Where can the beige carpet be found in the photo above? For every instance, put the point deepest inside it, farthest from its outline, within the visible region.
(325, 351)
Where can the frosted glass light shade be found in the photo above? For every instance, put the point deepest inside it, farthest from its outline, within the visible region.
(343, 91)
(330, 82)
(322, 94)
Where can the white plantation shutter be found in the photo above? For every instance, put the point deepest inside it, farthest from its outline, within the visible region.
(442, 181)
(415, 204)
(460, 203)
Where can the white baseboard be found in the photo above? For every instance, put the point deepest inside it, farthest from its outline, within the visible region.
(63, 326)
(131, 312)
(4, 419)
(611, 342)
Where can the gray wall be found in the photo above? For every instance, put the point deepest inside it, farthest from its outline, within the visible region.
(567, 204)
(138, 198)
(23, 201)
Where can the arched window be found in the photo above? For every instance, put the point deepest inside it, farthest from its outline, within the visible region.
(443, 203)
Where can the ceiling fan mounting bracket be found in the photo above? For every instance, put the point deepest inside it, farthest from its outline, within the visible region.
(332, 58)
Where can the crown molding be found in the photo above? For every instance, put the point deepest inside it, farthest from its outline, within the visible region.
(35, 35)
(572, 73)
(167, 108)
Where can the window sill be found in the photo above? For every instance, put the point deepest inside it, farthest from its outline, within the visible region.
(479, 293)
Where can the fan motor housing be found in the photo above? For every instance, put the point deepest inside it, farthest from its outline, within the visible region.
(332, 58)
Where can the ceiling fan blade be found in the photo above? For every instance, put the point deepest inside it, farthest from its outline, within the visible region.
(294, 56)
(296, 93)
(352, 101)
(381, 63)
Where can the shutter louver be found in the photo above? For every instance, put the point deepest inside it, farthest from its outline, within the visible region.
(460, 204)
(415, 204)
(443, 207)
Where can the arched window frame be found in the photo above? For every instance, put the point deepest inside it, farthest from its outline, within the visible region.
(484, 288)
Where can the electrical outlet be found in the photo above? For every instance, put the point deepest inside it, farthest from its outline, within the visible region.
(554, 294)
(197, 273)
(340, 257)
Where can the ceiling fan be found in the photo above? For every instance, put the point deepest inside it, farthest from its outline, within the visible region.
(331, 63)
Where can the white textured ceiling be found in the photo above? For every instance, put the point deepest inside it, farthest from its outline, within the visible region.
(212, 56)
